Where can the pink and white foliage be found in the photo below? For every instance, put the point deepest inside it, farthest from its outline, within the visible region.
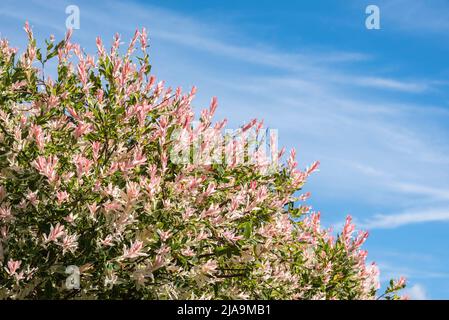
(86, 179)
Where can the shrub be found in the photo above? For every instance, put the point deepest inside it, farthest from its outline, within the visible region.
(89, 189)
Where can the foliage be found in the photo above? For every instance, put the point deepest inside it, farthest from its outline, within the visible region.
(87, 180)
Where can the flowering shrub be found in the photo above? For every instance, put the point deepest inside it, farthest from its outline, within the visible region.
(87, 184)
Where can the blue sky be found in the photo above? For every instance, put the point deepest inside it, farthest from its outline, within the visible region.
(371, 105)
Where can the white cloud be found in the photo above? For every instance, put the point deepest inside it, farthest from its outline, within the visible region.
(416, 292)
(422, 190)
(423, 215)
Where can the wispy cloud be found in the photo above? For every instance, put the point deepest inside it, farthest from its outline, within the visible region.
(417, 16)
(332, 112)
(392, 84)
(423, 215)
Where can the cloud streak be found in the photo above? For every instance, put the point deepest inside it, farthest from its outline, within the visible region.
(342, 117)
